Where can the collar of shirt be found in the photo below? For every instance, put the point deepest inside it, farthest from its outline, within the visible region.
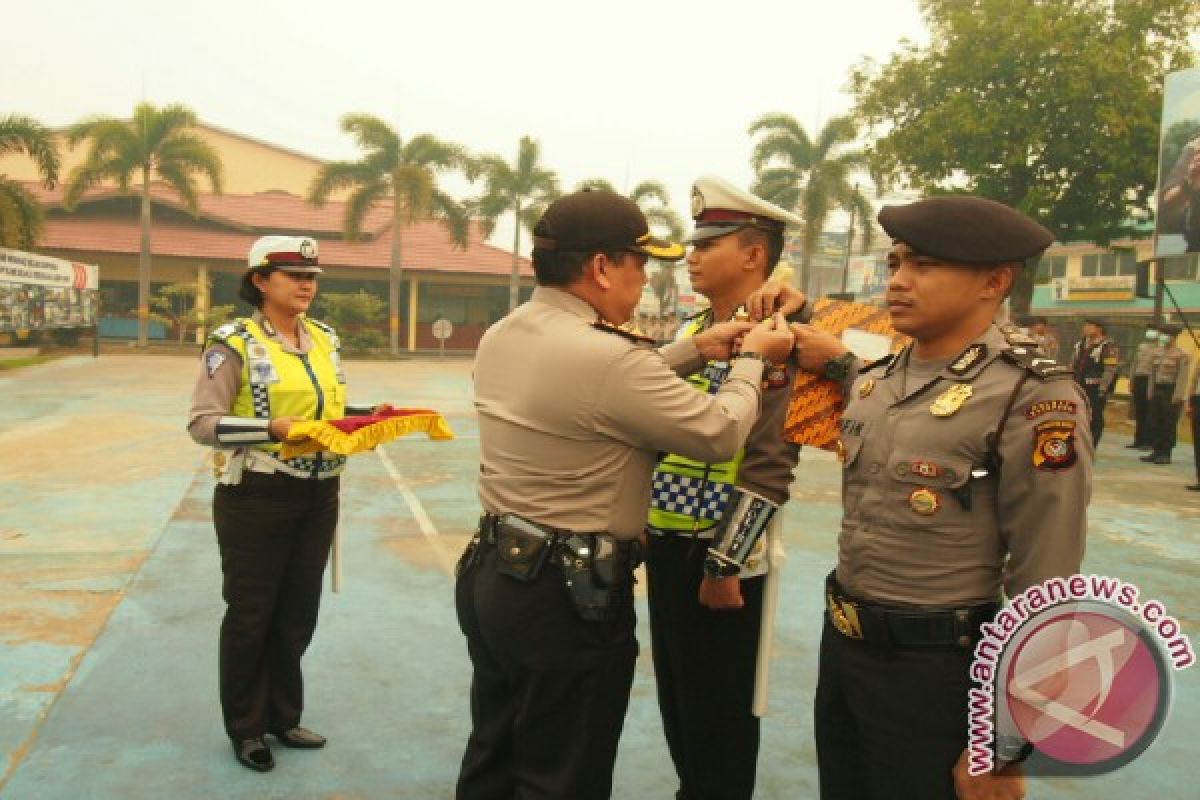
(565, 301)
(302, 339)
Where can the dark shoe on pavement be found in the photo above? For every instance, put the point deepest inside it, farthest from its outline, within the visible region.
(254, 753)
(1194, 487)
(300, 737)
(1134, 446)
(1160, 460)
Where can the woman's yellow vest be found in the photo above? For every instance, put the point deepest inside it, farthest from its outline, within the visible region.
(689, 495)
(276, 383)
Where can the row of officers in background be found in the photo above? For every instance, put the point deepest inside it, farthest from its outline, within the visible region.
(1162, 383)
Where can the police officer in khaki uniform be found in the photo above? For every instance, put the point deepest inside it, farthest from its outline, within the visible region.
(572, 412)
(706, 562)
(967, 464)
(1094, 363)
(1168, 391)
(1139, 388)
(275, 518)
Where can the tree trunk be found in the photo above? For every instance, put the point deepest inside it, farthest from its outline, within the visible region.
(143, 310)
(395, 275)
(1021, 296)
(514, 281)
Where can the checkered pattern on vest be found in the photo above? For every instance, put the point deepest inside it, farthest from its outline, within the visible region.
(695, 497)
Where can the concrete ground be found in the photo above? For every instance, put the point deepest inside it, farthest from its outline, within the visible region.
(110, 585)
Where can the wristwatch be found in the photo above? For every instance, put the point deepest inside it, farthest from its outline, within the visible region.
(836, 369)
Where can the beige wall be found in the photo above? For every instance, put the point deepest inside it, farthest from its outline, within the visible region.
(250, 166)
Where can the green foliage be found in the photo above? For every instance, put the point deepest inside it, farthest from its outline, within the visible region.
(21, 216)
(810, 176)
(1051, 106)
(523, 188)
(355, 316)
(175, 305)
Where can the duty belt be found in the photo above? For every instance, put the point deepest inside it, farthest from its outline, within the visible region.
(624, 551)
(903, 627)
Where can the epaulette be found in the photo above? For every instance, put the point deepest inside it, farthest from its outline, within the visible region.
(1017, 337)
(225, 331)
(633, 337)
(1033, 360)
(323, 326)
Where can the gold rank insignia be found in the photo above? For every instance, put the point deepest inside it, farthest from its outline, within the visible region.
(866, 387)
(951, 400)
(924, 501)
(840, 446)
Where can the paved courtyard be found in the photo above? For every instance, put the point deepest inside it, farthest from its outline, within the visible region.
(111, 602)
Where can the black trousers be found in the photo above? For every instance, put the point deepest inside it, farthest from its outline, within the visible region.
(1138, 387)
(704, 665)
(274, 533)
(1097, 400)
(1164, 420)
(549, 690)
(1196, 433)
(890, 724)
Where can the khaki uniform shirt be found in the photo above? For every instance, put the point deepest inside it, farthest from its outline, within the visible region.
(1169, 373)
(571, 417)
(930, 520)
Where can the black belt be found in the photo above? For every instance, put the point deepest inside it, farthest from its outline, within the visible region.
(903, 627)
(630, 551)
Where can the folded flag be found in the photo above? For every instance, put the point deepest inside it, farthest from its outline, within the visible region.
(358, 434)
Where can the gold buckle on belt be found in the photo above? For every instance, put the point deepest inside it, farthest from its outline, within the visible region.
(844, 616)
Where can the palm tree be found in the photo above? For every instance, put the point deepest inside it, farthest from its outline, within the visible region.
(523, 188)
(654, 201)
(404, 173)
(155, 143)
(20, 214)
(810, 177)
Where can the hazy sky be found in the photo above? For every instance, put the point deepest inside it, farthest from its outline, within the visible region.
(618, 89)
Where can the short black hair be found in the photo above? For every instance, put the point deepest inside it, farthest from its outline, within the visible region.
(771, 241)
(248, 291)
(554, 268)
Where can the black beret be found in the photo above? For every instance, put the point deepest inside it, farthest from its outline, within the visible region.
(964, 229)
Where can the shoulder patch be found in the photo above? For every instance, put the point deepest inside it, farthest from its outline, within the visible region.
(213, 361)
(633, 337)
(1042, 368)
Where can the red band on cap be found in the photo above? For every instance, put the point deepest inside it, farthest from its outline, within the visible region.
(288, 258)
(724, 215)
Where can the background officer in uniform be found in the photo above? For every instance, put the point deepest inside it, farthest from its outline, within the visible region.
(1168, 391)
(572, 412)
(1094, 363)
(967, 471)
(706, 560)
(1139, 388)
(275, 519)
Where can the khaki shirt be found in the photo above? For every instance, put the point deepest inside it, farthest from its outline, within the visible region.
(918, 528)
(1143, 359)
(571, 417)
(1169, 373)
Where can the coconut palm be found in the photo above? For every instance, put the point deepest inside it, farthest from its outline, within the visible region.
(157, 143)
(404, 174)
(654, 201)
(21, 216)
(524, 189)
(810, 177)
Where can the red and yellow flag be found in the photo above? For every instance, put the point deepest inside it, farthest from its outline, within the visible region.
(358, 434)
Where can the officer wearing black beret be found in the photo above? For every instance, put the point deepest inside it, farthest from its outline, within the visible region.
(967, 465)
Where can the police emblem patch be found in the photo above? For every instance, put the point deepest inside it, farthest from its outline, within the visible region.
(951, 400)
(776, 378)
(968, 359)
(1054, 445)
(213, 361)
(924, 501)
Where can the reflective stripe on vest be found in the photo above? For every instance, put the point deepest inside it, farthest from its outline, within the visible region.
(276, 383)
(689, 495)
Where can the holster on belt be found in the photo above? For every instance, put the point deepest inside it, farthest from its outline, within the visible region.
(598, 572)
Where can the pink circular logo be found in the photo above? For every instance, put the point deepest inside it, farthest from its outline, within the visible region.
(1087, 688)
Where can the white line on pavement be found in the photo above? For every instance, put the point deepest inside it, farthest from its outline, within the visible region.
(445, 559)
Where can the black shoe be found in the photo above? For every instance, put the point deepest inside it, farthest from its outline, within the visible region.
(1193, 487)
(254, 753)
(299, 737)
(1160, 460)
(1134, 446)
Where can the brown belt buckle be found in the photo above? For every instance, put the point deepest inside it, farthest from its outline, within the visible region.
(844, 617)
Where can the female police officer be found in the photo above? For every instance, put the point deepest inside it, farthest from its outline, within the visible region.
(275, 518)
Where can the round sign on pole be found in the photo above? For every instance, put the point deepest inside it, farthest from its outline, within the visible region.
(442, 328)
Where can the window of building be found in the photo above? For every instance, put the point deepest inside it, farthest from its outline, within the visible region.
(1091, 265)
